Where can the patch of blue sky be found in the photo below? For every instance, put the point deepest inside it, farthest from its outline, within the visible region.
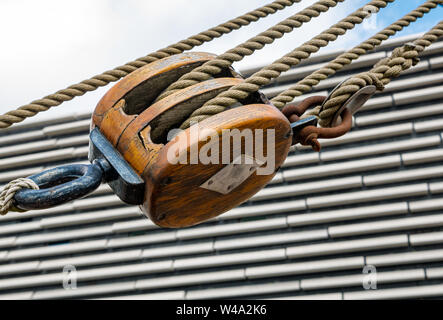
(400, 8)
(384, 18)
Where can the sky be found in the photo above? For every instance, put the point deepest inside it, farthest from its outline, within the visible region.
(47, 45)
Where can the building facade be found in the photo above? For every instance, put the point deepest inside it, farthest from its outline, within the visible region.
(362, 219)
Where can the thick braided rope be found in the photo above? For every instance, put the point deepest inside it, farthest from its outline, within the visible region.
(79, 89)
(247, 48)
(306, 84)
(380, 75)
(265, 75)
(9, 191)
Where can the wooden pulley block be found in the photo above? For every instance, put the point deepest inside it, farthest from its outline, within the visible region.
(199, 173)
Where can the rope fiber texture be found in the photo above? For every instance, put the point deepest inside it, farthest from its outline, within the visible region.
(305, 85)
(247, 48)
(401, 59)
(265, 75)
(9, 191)
(79, 89)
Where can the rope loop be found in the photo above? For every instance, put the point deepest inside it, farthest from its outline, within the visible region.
(401, 59)
(305, 85)
(9, 191)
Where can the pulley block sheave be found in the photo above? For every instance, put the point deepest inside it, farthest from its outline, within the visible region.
(196, 174)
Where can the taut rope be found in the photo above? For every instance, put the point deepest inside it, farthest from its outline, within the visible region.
(265, 75)
(225, 60)
(380, 75)
(306, 84)
(79, 89)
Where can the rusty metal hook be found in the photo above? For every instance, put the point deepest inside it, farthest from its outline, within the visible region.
(294, 111)
(310, 134)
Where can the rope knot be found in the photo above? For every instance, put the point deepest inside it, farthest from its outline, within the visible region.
(401, 59)
(9, 191)
(375, 81)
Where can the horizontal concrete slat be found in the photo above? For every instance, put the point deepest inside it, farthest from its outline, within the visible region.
(342, 168)
(172, 295)
(397, 293)
(400, 145)
(230, 259)
(305, 267)
(355, 213)
(324, 296)
(422, 222)
(339, 247)
(394, 259)
(232, 228)
(262, 240)
(247, 290)
(359, 279)
(190, 279)
(403, 176)
(399, 115)
(368, 195)
(84, 291)
(307, 188)
(426, 238)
